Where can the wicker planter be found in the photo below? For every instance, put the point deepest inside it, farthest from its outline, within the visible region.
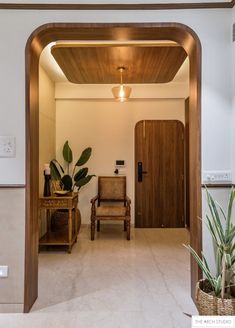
(59, 220)
(208, 304)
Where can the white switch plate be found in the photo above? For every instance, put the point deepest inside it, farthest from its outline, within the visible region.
(7, 146)
(3, 271)
(217, 177)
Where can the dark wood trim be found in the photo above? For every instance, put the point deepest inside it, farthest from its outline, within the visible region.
(232, 3)
(111, 6)
(217, 185)
(186, 156)
(47, 33)
(13, 186)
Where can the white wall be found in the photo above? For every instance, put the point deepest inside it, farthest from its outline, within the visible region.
(233, 100)
(221, 195)
(107, 127)
(214, 30)
(47, 123)
(47, 127)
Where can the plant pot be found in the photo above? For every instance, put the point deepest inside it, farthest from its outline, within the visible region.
(59, 220)
(208, 304)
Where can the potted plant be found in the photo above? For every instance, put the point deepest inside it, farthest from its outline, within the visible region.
(69, 179)
(215, 294)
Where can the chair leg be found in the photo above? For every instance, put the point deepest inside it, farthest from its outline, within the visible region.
(98, 225)
(124, 225)
(92, 229)
(128, 229)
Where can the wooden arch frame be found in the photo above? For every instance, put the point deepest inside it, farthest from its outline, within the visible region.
(116, 32)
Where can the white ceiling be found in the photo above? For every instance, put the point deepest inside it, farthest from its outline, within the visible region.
(55, 73)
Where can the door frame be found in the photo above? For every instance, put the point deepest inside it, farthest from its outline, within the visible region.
(47, 33)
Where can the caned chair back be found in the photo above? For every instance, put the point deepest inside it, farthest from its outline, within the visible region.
(112, 188)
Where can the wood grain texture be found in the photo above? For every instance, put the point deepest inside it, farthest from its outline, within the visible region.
(186, 145)
(139, 6)
(120, 32)
(32, 178)
(159, 145)
(98, 65)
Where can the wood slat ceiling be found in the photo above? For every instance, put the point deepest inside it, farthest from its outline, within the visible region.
(98, 64)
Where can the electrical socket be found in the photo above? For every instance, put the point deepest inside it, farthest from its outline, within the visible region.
(7, 146)
(217, 177)
(3, 271)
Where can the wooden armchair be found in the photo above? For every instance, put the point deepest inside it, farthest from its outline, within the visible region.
(111, 189)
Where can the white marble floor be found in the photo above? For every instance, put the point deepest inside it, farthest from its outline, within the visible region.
(112, 282)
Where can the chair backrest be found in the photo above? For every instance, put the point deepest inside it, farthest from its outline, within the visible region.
(112, 188)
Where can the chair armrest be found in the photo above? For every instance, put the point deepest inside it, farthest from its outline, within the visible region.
(94, 199)
(128, 200)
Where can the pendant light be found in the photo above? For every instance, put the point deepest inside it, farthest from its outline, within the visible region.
(121, 92)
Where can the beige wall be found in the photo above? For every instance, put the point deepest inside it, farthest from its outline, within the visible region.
(12, 241)
(108, 127)
(47, 113)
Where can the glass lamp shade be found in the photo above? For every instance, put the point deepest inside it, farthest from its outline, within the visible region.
(121, 92)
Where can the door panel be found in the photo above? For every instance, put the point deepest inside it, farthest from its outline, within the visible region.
(159, 146)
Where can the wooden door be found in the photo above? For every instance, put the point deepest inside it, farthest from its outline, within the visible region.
(159, 174)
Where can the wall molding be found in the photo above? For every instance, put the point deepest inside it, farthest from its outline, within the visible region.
(12, 186)
(111, 6)
(217, 185)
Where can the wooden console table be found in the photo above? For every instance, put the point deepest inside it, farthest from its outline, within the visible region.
(69, 203)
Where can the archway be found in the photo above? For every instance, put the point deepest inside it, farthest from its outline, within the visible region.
(45, 34)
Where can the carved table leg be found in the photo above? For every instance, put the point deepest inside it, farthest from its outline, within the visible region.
(98, 225)
(92, 228)
(76, 223)
(124, 225)
(70, 227)
(128, 229)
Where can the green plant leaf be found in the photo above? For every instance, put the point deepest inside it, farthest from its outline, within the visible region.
(202, 266)
(219, 256)
(230, 208)
(83, 181)
(228, 261)
(67, 153)
(218, 285)
(210, 227)
(67, 182)
(81, 174)
(55, 173)
(86, 154)
(215, 217)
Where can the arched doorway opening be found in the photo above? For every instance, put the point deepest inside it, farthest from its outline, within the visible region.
(41, 37)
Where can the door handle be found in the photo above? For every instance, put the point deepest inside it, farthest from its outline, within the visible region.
(140, 171)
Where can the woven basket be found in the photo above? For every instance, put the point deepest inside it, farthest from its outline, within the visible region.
(59, 220)
(208, 304)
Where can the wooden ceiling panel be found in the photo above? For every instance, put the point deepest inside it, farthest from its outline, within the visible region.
(98, 64)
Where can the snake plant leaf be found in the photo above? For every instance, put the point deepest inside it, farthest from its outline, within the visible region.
(215, 217)
(67, 182)
(83, 181)
(55, 173)
(228, 260)
(202, 265)
(218, 285)
(81, 174)
(67, 153)
(233, 260)
(86, 154)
